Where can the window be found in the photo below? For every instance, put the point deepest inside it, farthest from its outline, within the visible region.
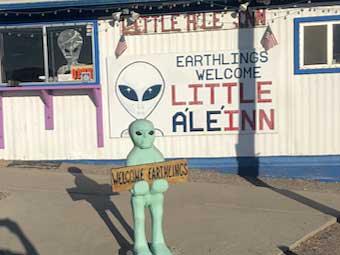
(50, 54)
(317, 45)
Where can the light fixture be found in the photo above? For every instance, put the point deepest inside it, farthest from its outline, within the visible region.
(243, 7)
(130, 16)
(116, 16)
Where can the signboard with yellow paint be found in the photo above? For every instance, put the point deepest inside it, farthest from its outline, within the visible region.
(174, 171)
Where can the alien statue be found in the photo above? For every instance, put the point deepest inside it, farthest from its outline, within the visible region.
(142, 133)
(70, 43)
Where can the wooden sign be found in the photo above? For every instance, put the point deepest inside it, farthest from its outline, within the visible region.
(174, 171)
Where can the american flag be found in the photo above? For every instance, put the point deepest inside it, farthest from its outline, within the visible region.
(121, 46)
(268, 40)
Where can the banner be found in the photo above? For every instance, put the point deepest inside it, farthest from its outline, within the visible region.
(189, 94)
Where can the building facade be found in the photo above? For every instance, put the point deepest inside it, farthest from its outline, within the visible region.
(258, 87)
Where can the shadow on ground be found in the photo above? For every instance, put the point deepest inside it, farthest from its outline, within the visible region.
(14, 228)
(286, 250)
(102, 204)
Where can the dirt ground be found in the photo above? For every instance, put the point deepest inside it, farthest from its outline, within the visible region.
(325, 242)
(3, 195)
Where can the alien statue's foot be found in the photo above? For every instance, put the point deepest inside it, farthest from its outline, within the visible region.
(160, 249)
(143, 250)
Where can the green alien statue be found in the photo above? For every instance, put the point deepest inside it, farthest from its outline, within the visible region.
(142, 133)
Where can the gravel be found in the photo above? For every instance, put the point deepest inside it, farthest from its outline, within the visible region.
(3, 195)
(326, 242)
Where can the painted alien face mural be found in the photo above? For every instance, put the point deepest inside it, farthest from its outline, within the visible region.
(140, 87)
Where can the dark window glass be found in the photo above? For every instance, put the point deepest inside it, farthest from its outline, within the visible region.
(315, 45)
(336, 43)
(70, 53)
(23, 57)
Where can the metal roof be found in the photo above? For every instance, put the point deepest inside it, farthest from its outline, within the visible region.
(42, 4)
(53, 4)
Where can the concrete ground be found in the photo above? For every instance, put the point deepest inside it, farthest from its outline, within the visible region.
(58, 213)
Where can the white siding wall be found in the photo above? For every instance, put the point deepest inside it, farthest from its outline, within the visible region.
(307, 106)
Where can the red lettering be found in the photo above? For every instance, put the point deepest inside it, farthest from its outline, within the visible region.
(195, 87)
(215, 20)
(174, 23)
(173, 96)
(231, 120)
(212, 87)
(229, 85)
(145, 19)
(261, 92)
(245, 118)
(155, 18)
(260, 17)
(204, 22)
(264, 118)
(242, 100)
(164, 30)
(191, 20)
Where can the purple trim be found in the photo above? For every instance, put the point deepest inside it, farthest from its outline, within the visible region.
(47, 97)
(97, 96)
(2, 137)
(30, 88)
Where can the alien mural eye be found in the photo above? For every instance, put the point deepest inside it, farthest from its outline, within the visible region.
(151, 132)
(128, 92)
(138, 133)
(152, 92)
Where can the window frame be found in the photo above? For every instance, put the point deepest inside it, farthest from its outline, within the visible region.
(44, 25)
(299, 24)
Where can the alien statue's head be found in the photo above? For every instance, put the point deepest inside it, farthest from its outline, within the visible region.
(142, 133)
(70, 43)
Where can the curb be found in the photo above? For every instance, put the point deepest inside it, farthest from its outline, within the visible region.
(309, 235)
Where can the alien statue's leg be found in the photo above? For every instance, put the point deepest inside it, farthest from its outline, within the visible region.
(140, 193)
(158, 246)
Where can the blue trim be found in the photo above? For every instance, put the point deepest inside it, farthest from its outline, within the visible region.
(297, 22)
(95, 49)
(69, 3)
(324, 168)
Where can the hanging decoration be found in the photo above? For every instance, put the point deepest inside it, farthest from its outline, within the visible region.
(268, 40)
(121, 46)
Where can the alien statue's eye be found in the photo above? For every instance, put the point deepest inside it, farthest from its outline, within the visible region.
(128, 92)
(138, 133)
(151, 132)
(152, 92)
